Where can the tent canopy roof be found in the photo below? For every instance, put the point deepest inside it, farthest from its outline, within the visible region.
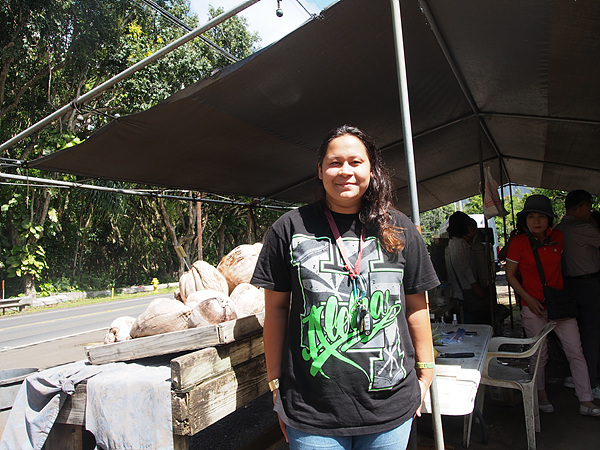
(496, 80)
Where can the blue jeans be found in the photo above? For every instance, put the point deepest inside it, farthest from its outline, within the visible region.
(396, 439)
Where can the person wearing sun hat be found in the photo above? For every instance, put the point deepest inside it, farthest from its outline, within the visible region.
(536, 219)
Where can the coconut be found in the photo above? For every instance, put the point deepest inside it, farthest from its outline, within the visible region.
(199, 296)
(248, 299)
(238, 265)
(201, 276)
(119, 330)
(212, 311)
(162, 315)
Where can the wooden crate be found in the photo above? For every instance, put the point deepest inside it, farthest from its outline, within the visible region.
(176, 341)
(226, 371)
(209, 384)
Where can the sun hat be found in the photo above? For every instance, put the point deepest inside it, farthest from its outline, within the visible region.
(539, 204)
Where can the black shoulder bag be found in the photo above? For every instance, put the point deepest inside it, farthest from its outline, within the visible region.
(560, 304)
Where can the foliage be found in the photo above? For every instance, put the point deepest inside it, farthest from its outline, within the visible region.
(52, 52)
(432, 220)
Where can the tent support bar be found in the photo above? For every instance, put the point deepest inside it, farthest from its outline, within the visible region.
(458, 75)
(546, 162)
(412, 188)
(541, 118)
(126, 73)
(70, 184)
(405, 108)
(448, 172)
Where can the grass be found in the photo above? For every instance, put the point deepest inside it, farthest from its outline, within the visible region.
(89, 301)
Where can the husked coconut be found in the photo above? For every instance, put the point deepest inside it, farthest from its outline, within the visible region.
(119, 330)
(201, 276)
(211, 311)
(187, 285)
(162, 315)
(177, 295)
(238, 265)
(199, 296)
(248, 299)
(209, 278)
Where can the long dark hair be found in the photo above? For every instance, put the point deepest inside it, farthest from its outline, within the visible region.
(378, 198)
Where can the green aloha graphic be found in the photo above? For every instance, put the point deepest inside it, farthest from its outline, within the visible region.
(330, 303)
(330, 333)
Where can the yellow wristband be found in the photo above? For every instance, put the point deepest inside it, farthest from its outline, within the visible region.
(424, 365)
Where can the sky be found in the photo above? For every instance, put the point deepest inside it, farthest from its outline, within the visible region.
(261, 16)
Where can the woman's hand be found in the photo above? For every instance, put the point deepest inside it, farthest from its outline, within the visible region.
(281, 424)
(424, 386)
(534, 305)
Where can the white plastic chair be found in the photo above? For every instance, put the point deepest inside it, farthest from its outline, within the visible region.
(502, 375)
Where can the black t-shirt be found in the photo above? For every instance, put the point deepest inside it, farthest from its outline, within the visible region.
(334, 379)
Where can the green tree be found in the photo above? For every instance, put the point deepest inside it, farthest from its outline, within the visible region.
(53, 52)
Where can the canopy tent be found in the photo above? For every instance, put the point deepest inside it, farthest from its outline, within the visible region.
(508, 83)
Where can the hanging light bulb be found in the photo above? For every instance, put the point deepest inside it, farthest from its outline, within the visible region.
(279, 11)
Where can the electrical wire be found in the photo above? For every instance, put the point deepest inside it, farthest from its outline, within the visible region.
(71, 184)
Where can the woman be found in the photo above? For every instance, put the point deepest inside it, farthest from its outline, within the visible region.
(347, 336)
(536, 219)
(462, 273)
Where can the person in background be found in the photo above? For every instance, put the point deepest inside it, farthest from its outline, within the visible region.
(461, 270)
(581, 271)
(536, 218)
(347, 338)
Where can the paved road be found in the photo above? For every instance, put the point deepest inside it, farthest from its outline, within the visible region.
(22, 330)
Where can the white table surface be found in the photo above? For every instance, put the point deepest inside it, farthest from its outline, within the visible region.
(458, 378)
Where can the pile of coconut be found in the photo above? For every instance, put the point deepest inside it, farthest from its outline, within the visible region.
(206, 295)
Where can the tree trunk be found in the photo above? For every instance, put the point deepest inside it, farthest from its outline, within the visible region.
(221, 244)
(29, 285)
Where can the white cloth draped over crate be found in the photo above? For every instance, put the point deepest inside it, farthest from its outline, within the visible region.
(128, 405)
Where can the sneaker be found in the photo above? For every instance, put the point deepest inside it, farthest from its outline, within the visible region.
(589, 410)
(546, 407)
(568, 382)
(596, 392)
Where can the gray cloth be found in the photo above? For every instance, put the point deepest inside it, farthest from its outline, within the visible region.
(38, 402)
(129, 407)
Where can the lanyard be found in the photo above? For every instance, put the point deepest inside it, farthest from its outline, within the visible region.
(361, 317)
(354, 271)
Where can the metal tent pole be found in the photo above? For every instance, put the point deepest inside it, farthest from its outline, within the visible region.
(412, 187)
(126, 73)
